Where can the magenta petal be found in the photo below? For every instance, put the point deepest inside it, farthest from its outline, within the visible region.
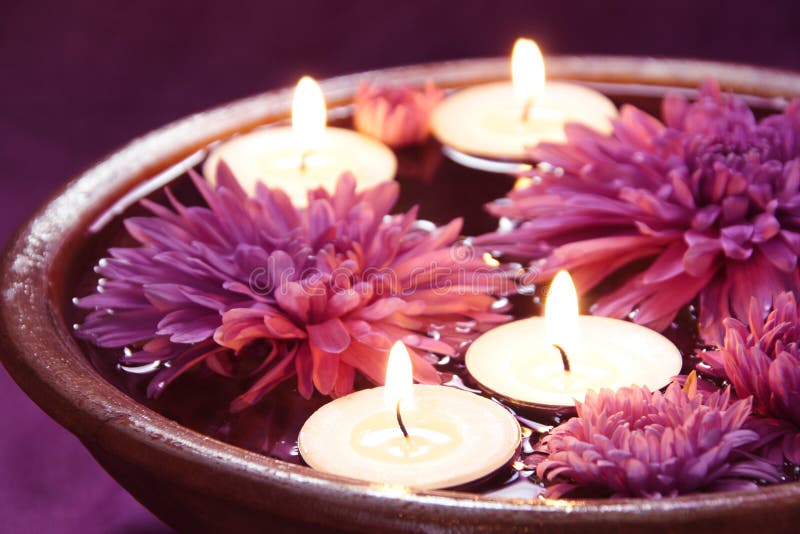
(667, 265)
(294, 298)
(188, 325)
(326, 367)
(343, 302)
(734, 209)
(765, 227)
(330, 336)
(674, 108)
(779, 254)
(665, 304)
(705, 217)
(226, 179)
(304, 367)
(381, 309)
(364, 333)
(368, 360)
(320, 225)
(281, 328)
(701, 253)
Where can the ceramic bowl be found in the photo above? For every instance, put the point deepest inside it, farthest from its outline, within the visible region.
(196, 483)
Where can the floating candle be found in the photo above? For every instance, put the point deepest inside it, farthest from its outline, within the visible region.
(498, 120)
(305, 156)
(549, 361)
(420, 436)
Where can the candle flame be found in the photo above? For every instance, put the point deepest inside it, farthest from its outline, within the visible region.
(527, 71)
(309, 115)
(399, 376)
(561, 314)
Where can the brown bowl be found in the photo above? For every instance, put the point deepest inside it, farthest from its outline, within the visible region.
(196, 483)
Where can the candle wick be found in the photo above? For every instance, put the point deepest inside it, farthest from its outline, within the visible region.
(400, 419)
(564, 358)
(304, 160)
(526, 110)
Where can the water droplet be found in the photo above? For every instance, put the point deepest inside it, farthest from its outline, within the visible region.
(457, 382)
(545, 167)
(505, 224)
(500, 303)
(526, 289)
(464, 327)
(141, 369)
(425, 226)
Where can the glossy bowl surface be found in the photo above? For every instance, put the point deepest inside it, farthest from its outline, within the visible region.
(196, 483)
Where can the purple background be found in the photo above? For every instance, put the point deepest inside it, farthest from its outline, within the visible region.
(78, 79)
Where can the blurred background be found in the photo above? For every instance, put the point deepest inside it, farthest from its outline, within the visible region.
(80, 78)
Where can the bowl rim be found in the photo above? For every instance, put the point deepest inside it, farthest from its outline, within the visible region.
(43, 358)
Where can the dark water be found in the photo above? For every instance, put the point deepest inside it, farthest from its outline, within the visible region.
(199, 399)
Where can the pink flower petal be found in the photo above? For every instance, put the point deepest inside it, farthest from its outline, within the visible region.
(330, 336)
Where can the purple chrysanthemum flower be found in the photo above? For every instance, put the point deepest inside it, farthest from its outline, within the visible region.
(397, 115)
(705, 204)
(261, 291)
(762, 359)
(634, 443)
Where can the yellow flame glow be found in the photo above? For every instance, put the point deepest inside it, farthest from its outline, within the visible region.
(490, 260)
(527, 71)
(522, 182)
(561, 314)
(309, 115)
(399, 376)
